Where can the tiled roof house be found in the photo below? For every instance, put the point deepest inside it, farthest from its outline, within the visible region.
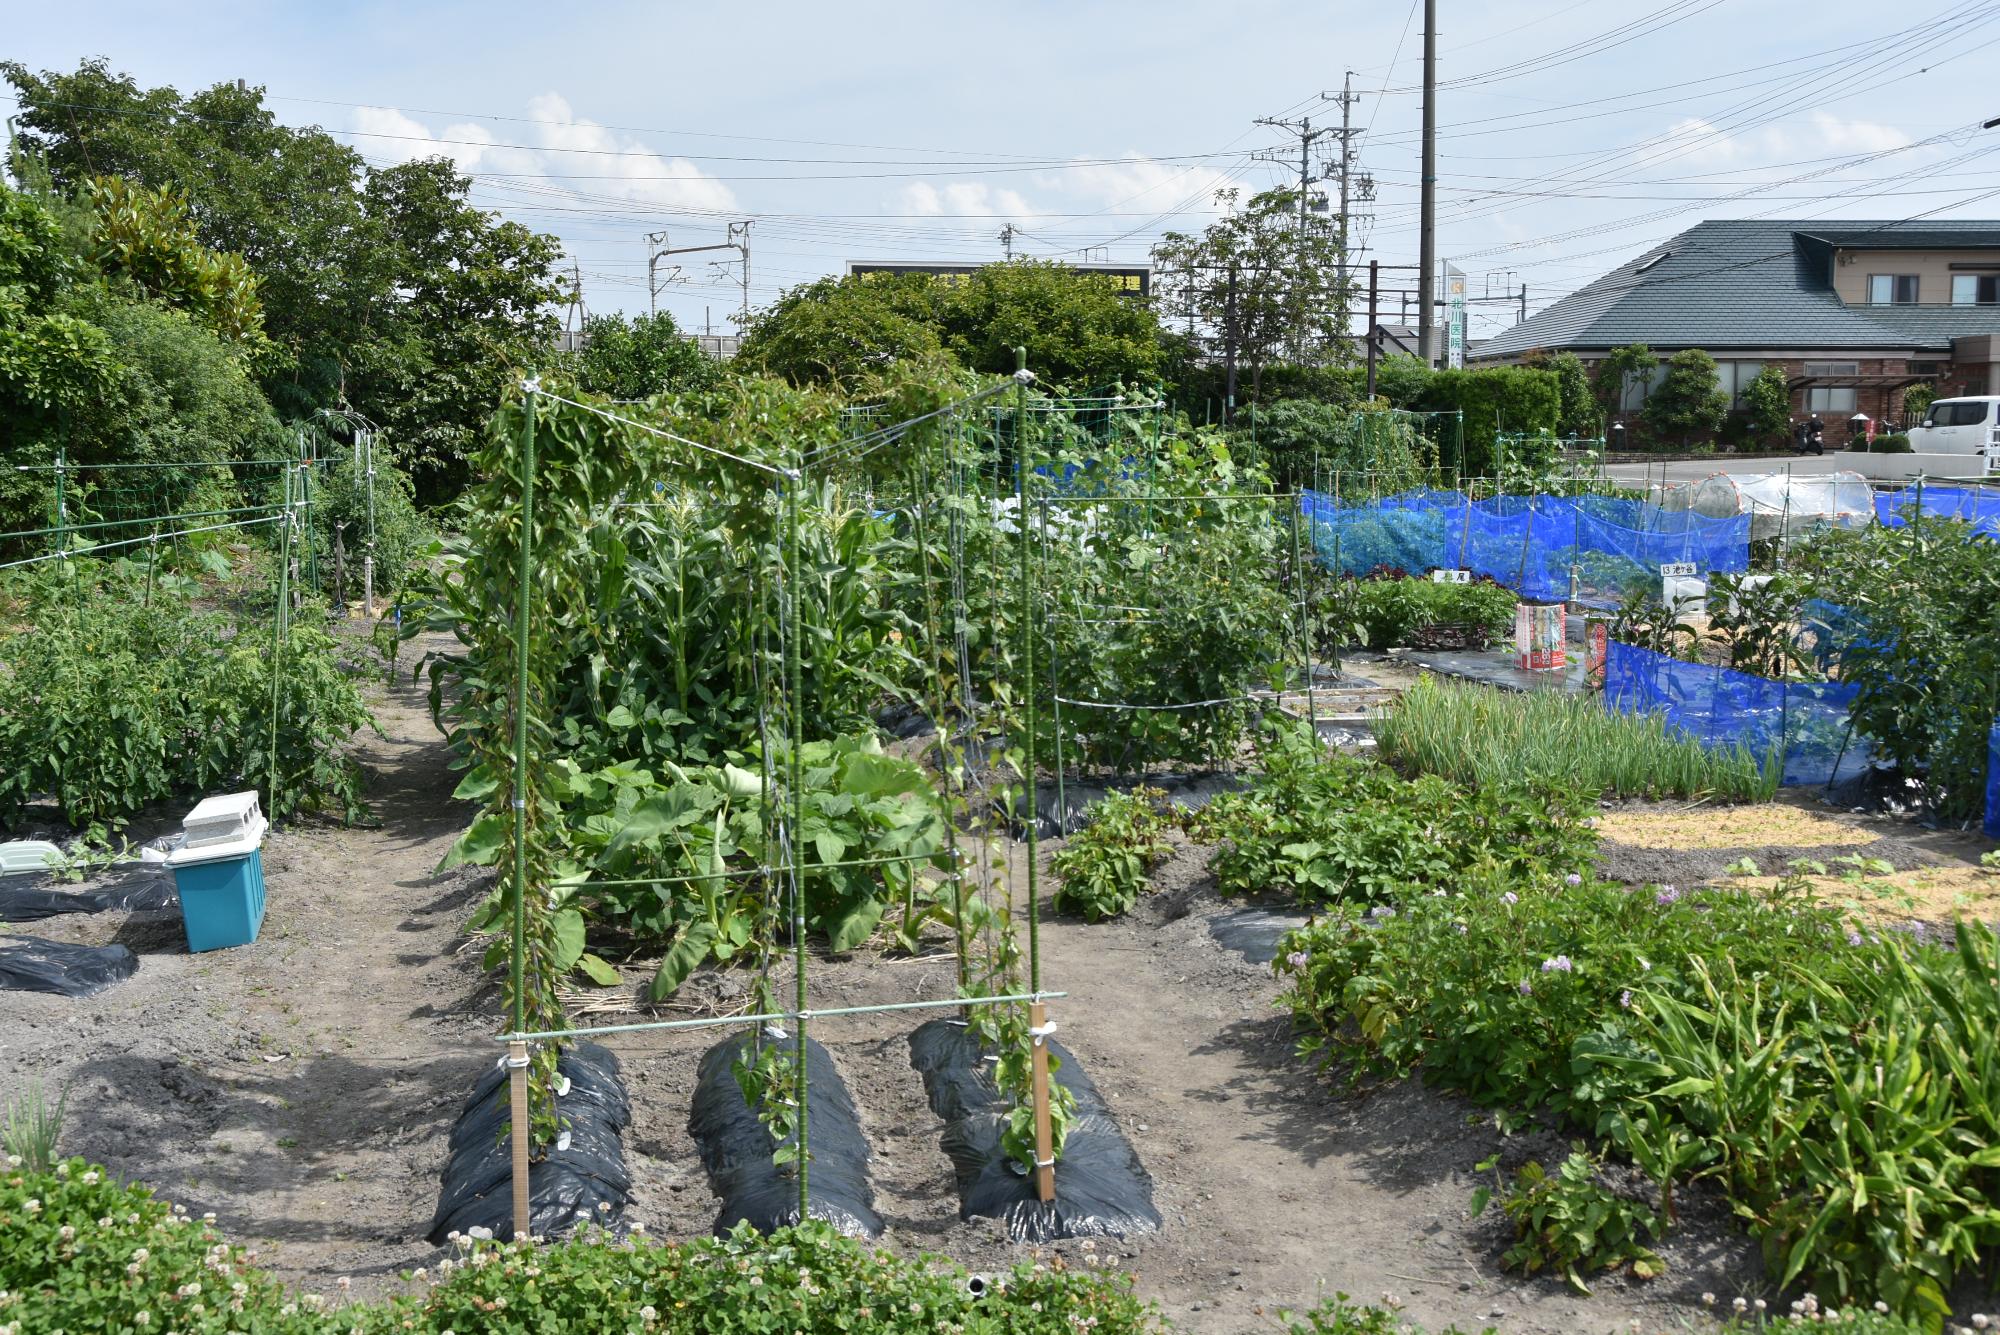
(1855, 312)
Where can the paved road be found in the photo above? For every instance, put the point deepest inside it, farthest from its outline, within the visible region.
(1690, 470)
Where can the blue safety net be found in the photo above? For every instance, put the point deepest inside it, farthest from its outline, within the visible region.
(1975, 506)
(1594, 549)
(1805, 726)
(1993, 782)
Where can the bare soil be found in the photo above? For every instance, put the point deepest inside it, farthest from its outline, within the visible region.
(302, 1087)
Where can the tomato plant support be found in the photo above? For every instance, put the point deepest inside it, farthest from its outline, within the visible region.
(517, 1052)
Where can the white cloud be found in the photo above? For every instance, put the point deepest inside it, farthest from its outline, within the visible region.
(962, 199)
(1821, 135)
(554, 142)
(1142, 183)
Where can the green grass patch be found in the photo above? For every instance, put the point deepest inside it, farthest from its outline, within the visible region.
(1477, 735)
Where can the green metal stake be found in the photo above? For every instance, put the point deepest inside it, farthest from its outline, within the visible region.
(793, 654)
(1305, 624)
(1028, 662)
(279, 625)
(517, 971)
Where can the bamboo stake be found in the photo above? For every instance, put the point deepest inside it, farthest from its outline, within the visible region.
(517, 1100)
(1045, 1142)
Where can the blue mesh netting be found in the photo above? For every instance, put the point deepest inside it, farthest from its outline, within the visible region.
(1531, 544)
(1993, 782)
(1979, 508)
(1804, 722)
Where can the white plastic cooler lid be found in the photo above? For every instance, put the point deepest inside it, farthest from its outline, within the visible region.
(243, 846)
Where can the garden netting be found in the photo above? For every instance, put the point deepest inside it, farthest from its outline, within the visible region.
(1804, 724)
(1589, 549)
(1976, 506)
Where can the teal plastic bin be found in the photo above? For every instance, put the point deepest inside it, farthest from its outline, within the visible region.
(219, 872)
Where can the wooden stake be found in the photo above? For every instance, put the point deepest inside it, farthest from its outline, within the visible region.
(517, 1079)
(1045, 1141)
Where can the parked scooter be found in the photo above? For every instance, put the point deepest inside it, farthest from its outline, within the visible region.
(1809, 437)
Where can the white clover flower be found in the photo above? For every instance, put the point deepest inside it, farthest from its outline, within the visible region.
(648, 1315)
(90, 1178)
(33, 1206)
(62, 1171)
(66, 1233)
(142, 1319)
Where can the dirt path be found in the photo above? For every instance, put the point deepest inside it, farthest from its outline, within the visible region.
(302, 1089)
(299, 1087)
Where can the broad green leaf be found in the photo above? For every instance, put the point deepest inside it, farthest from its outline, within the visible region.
(568, 928)
(481, 844)
(686, 956)
(599, 971)
(856, 925)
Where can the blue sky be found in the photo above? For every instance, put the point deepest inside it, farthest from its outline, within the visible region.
(1574, 133)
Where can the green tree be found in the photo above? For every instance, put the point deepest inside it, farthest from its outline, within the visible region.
(845, 331)
(1260, 282)
(1500, 398)
(459, 304)
(1402, 380)
(1078, 330)
(148, 236)
(1767, 404)
(1577, 414)
(382, 288)
(1688, 401)
(1610, 376)
(1917, 400)
(638, 358)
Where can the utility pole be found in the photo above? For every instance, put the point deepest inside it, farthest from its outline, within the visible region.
(1524, 303)
(1307, 137)
(654, 242)
(739, 236)
(1007, 241)
(1374, 327)
(1427, 224)
(1355, 187)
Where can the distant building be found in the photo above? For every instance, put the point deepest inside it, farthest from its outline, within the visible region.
(1855, 312)
(1133, 280)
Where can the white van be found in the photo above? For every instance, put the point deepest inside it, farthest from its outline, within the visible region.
(1961, 426)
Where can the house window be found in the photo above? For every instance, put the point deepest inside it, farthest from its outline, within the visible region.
(1829, 399)
(1735, 377)
(1892, 289)
(1975, 289)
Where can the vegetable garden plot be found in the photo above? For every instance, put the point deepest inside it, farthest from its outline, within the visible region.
(672, 648)
(1590, 549)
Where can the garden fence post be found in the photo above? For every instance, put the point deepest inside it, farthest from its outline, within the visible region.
(1027, 595)
(1045, 1141)
(793, 846)
(280, 619)
(368, 553)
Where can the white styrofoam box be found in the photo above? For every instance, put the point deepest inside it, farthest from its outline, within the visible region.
(20, 855)
(223, 819)
(1684, 595)
(242, 845)
(1748, 584)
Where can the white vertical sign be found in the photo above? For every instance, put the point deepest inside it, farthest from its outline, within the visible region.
(1454, 296)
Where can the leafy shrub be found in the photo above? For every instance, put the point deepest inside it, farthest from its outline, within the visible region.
(702, 830)
(1329, 827)
(1101, 869)
(86, 1253)
(1890, 442)
(1394, 612)
(1335, 1316)
(133, 698)
(1568, 1221)
(1476, 735)
(1844, 1091)
(1922, 647)
(340, 506)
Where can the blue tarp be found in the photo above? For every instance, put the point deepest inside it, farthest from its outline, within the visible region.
(1531, 544)
(1977, 507)
(1805, 723)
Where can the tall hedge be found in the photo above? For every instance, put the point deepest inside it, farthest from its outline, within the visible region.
(1502, 398)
